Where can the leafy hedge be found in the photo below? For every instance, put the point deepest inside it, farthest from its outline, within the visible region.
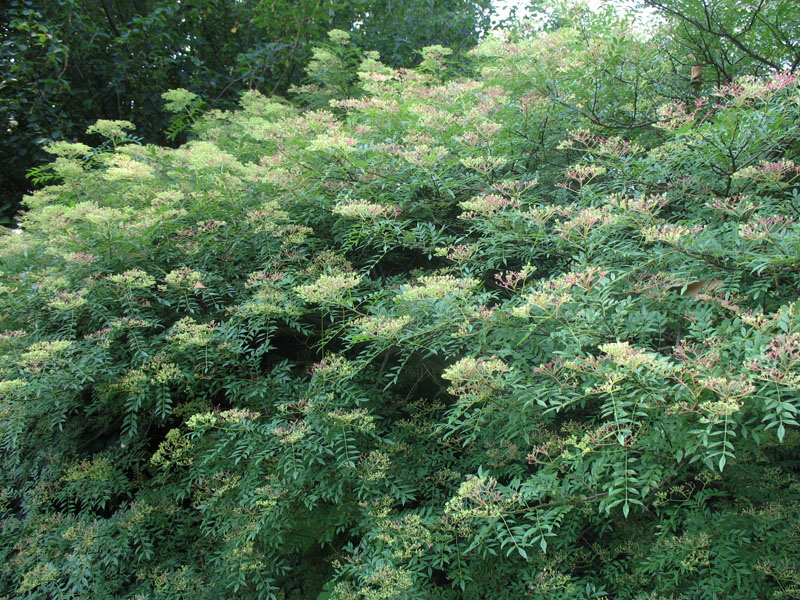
(534, 334)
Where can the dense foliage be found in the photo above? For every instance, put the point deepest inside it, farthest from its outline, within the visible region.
(533, 334)
(66, 63)
(734, 38)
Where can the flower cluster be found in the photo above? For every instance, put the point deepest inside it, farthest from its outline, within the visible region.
(582, 223)
(291, 434)
(135, 279)
(122, 167)
(581, 175)
(615, 146)
(586, 279)
(359, 209)
(178, 99)
(184, 279)
(437, 287)
(332, 366)
(188, 333)
(336, 142)
(678, 114)
(643, 205)
(113, 130)
(669, 233)
(425, 156)
(769, 172)
(42, 352)
(476, 497)
(382, 327)
(624, 355)
(548, 301)
(475, 376)
(329, 287)
(486, 204)
(511, 279)
(484, 164)
(779, 362)
(358, 419)
(737, 206)
(7, 386)
(748, 89)
(763, 228)
(68, 300)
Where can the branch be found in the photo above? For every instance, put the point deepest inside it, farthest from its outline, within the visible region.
(114, 29)
(710, 30)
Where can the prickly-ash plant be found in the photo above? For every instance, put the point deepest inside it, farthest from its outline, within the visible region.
(535, 333)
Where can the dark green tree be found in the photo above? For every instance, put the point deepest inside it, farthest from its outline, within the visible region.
(397, 29)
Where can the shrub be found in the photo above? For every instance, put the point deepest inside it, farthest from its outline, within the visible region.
(459, 339)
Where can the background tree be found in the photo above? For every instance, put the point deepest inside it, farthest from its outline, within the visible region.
(753, 37)
(397, 29)
(66, 63)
